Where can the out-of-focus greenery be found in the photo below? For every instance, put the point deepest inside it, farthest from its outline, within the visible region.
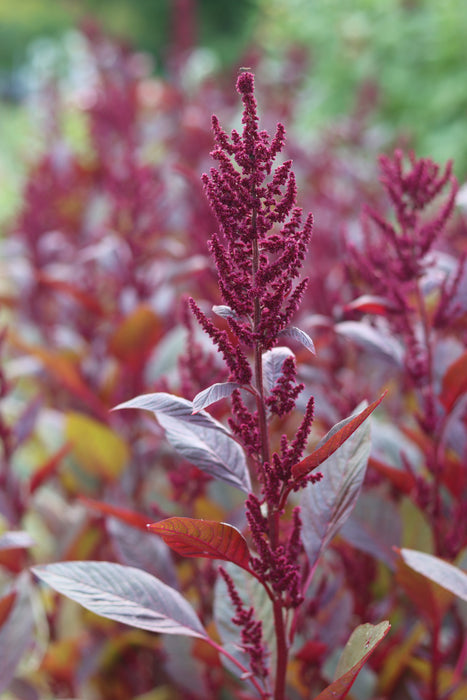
(149, 24)
(415, 52)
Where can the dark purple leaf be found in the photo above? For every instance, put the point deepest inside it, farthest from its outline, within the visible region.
(123, 594)
(16, 631)
(327, 504)
(272, 365)
(336, 437)
(441, 572)
(204, 538)
(198, 437)
(375, 528)
(300, 336)
(358, 649)
(214, 393)
(376, 341)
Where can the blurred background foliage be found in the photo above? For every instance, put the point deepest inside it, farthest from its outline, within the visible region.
(409, 57)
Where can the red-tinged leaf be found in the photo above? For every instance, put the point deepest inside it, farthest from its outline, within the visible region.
(204, 538)
(358, 649)
(136, 335)
(437, 570)
(454, 382)
(6, 605)
(333, 440)
(369, 304)
(402, 480)
(64, 287)
(130, 517)
(16, 632)
(214, 393)
(123, 594)
(300, 336)
(429, 600)
(49, 468)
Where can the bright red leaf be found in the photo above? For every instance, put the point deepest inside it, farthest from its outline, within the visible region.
(333, 440)
(204, 538)
(127, 516)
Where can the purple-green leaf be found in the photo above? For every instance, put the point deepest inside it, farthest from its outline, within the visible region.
(327, 504)
(441, 572)
(362, 643)
(198, 437)
(214, 393)
(203, 538)
(123, 594)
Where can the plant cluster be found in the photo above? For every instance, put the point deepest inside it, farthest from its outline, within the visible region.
(271, 560)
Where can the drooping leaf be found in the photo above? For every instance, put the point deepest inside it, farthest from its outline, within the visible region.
(198, 437)
(370, 304)
(98, 449)
(272, 365)
(441, 572)
(16, 630)
(300, 336)
(362, 643)
(333, 440)
(123, 594)
(372, 339)
(252, 594)
(204, 538)
(454, 382)
(214, 393)
(327, 504)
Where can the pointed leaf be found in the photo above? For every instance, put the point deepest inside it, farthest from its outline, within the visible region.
(373, 339)
(198, 437)
(272, 365)
(300, 336)
(16, 631)
(123, 594)
(333, 440)
(362, 643)
(204, 538)
(130, 517)
(214, 393)
(441, 572)
(224, 311)
(369, 304)
(327, 504)
(454, 382)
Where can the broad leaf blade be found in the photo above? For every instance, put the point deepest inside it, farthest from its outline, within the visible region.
(300, 336)
(454, 382)
(204, 538)
(198, 437)
(214, 393)
(16, 539)
(123, 594)
(362, 643)
(369, 304)
(372, 339)
(333, 440)
(441, 572)
(327, 504)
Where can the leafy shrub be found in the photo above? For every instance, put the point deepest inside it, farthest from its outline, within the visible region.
(110, 241)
